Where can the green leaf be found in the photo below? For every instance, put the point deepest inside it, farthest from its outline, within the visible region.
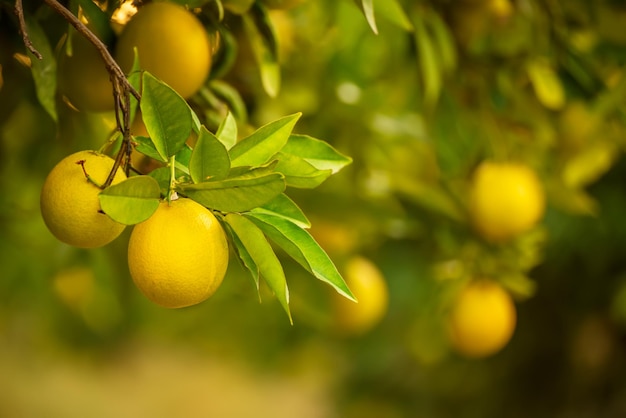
(227, 131)
(444, 41)
(283, 207)
(263, 255)
(392, 10)
(367, 7)
(230, 96)
(428, 61)
(299, 173)
(44, 70)
(132, 201)
(258, 148)
(166, 116)
(146, 147)
(264, 48)
(547, 84)
(301, 246)
(237, 194)
(209, 158)
(316, 152)
(244, 257)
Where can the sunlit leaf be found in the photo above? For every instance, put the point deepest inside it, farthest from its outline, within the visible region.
(44, 70)
(282, 206)
(265, 142)
(263, 255)
(227, 131)
(316, 152)
(237, 194)
(166, 116)
(131, 201)
(367, 7)
(301, 246)
(299, 173)
(546, 83)
(209, 158)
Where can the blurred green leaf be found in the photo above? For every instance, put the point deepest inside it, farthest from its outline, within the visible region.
(258, 148)
(99, 21)
(393, 11)
(546, 82)
(44, 70)
(444, 41)
(209, 159)
(367, 7)
(263, 255)
(430, 70)
(264, 48)
(166, 116)
(588, 165)
(301, 246)
(131, 201)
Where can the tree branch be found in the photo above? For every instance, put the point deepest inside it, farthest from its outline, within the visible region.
(19, 12)
(112, 66)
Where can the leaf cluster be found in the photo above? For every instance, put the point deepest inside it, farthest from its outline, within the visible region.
(242, 180)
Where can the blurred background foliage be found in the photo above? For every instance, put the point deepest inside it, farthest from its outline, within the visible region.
(418, 94)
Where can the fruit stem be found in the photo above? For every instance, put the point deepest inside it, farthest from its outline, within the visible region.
(171, 193)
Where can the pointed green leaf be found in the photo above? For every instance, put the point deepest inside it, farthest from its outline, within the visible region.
(367, 7)
(44, 70)
(244, 257)
(132, 201)
(263, 43)
(209, 158)
(282, 206)
(444, 41)
(428, 61)
(301, 246)
(227, 131)
(166, 116)
(392, 10)
(237, 194)
(299, 173)
(263, 255)
(261, 145)
(316, 152)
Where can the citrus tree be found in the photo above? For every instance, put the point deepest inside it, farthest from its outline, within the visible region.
(473, 138)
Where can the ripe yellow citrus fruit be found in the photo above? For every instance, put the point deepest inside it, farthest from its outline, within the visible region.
(70, 206)
(172, 45)
(482, 320)
(178, 257)
(368, 285)
(83, 77)
(505, 200)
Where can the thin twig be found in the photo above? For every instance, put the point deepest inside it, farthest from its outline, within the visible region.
(112, 66)
(19, 12)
